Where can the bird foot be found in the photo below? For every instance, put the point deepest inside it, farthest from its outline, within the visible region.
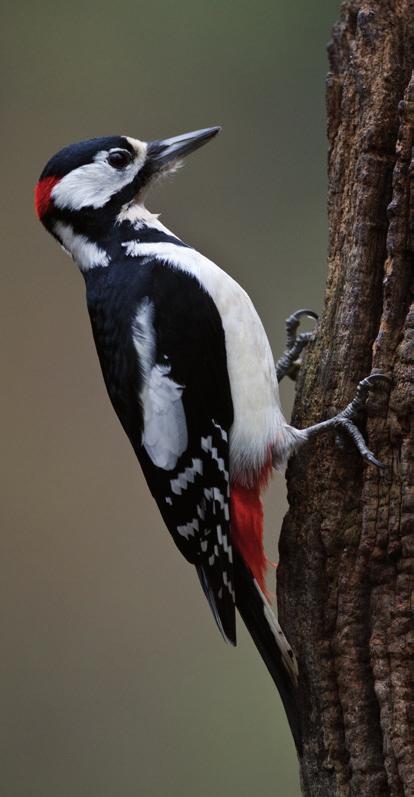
(344, 422)
(289, 363)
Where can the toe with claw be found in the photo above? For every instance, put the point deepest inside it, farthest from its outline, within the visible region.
(290, 362)
(344, 422)
(345, 419)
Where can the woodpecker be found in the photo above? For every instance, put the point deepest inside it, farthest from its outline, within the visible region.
(189, 371)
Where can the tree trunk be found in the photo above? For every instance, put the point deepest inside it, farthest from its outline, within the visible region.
(346, 572)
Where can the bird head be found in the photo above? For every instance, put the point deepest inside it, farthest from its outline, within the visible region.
(91, 181)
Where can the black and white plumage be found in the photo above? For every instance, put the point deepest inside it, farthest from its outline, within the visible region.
(188, 369)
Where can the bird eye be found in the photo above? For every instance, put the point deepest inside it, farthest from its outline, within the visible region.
(119, 158)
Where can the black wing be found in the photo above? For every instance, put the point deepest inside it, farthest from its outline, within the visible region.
(166, 372)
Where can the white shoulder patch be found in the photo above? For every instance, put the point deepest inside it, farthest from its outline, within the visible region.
(165, 434)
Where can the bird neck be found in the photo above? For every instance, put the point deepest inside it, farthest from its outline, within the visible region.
(136, 223)
(97, 247)
(136, 213)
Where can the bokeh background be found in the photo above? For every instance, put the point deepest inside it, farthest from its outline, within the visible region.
(114, 679)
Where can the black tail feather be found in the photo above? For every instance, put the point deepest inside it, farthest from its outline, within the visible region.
(269, 640)
(224, 614)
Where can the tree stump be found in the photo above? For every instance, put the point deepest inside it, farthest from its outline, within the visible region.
(346, 574)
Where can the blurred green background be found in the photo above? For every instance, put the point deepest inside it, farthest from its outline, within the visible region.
(114, 679)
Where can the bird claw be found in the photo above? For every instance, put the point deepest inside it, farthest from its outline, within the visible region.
(292, 324)
(343, 424)
(358, 402)
(344, 421)
(290, 362)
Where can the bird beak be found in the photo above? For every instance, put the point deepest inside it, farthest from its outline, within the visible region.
(162, 153)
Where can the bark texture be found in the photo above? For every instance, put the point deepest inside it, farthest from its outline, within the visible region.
(346, 572)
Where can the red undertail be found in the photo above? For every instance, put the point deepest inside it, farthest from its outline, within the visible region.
(246, 512)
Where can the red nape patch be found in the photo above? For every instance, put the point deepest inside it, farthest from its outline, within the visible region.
(43, 191)
(246, 514)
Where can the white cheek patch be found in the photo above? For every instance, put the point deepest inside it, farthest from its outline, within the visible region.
(93, 184)
(165, 435)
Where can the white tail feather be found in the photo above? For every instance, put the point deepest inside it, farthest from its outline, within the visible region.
(286, 651)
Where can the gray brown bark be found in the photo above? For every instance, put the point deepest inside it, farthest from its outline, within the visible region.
(346, 572)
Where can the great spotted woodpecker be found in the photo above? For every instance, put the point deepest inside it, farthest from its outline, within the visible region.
(189, 371)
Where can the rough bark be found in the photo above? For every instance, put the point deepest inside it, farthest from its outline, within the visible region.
(346, 572)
